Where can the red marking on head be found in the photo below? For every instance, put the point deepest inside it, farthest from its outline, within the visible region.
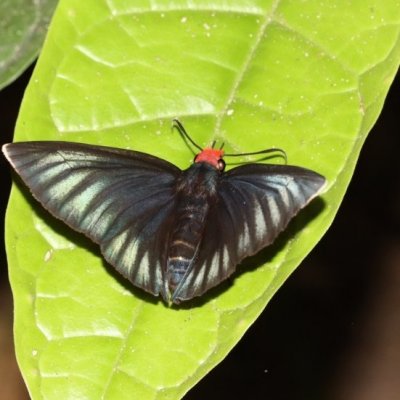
(210, 156)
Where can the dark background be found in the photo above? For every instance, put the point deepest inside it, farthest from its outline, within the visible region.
(332, 331)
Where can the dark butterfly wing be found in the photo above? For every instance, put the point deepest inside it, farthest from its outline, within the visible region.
(256, 202)
(121, 199)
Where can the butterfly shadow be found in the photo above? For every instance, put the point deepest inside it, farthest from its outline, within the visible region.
(264, 256)
(55, 224)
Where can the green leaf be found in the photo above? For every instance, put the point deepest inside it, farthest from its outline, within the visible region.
(309, 77)
(23, 27)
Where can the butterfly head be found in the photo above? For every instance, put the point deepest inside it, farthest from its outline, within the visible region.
(211, 156)
(214, 157)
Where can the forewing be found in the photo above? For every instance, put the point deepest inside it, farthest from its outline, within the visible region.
(121, 199)
(256, 202)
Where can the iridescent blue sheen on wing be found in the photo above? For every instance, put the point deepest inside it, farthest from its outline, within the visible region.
(255, 203)
(121, 199)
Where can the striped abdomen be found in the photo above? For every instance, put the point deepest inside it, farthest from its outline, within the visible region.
(196, 194)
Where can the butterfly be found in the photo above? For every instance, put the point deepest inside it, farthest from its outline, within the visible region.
(172, 232)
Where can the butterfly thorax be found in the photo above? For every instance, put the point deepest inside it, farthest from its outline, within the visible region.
(196, 194)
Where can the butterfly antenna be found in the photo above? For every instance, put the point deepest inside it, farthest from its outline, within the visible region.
(266, 151)
(177, 124)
